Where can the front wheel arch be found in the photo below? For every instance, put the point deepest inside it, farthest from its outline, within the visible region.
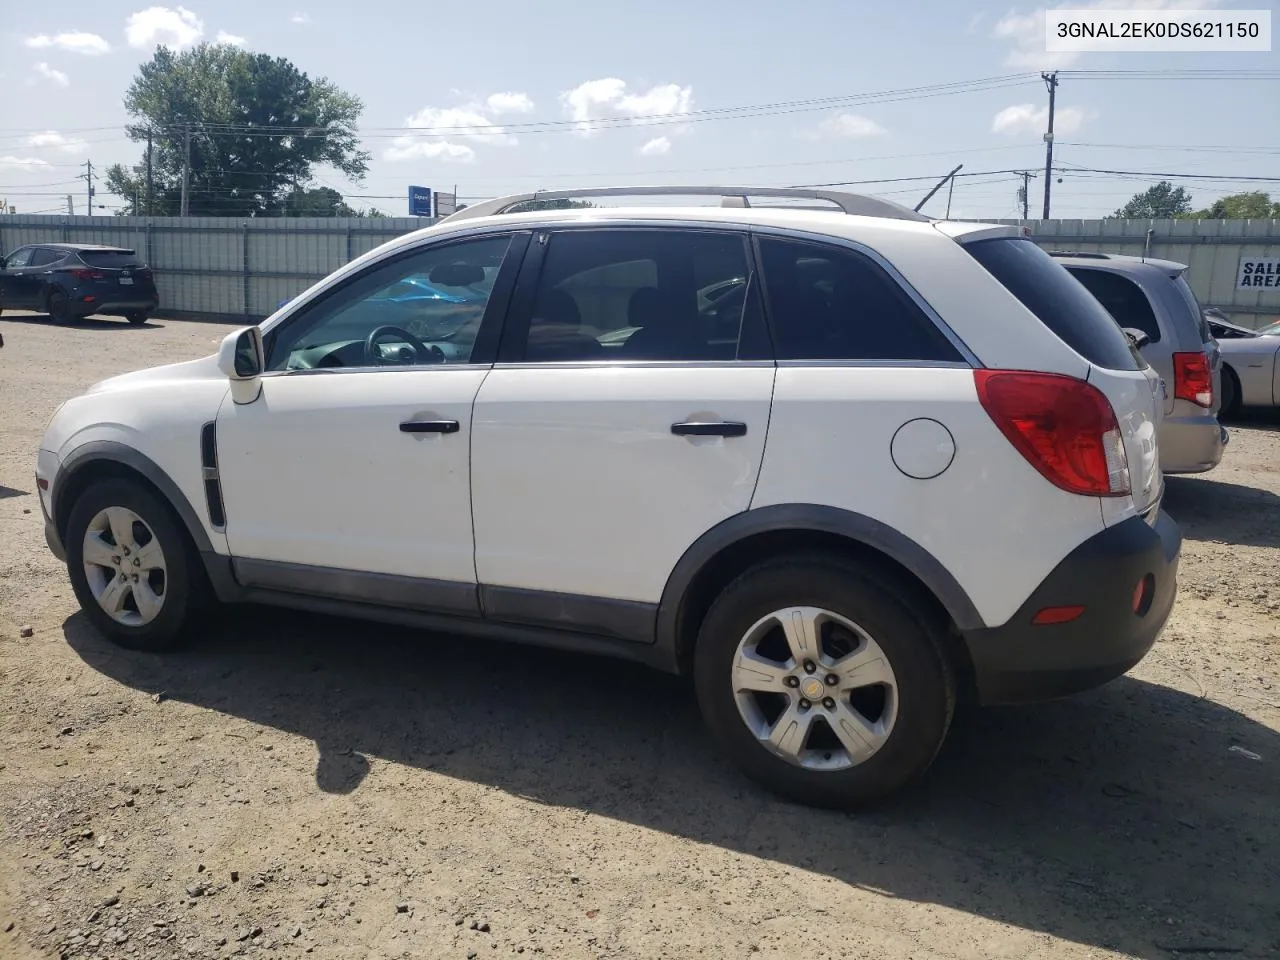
(105, 459)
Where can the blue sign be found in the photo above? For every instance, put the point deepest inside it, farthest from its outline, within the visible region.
(420, 202)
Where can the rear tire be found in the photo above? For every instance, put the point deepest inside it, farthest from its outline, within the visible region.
(1230, 393)
(137, 317)
(888, 683)
(59, 307)
(133, 567)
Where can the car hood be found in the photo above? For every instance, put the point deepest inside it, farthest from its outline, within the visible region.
(206, 368)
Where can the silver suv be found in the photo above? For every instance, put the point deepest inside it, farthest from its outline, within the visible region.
(1152, 300)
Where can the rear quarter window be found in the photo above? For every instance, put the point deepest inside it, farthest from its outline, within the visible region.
(110, 259)
(1058, 299)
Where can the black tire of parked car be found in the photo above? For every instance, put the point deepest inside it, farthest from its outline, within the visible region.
(59, 306)
(137, 317)
(1230, 393)
(911, 638)
(187, 596)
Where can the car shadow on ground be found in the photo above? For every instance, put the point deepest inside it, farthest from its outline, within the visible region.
(1121, 818)
(94, 321)
(1256, 418)
(1227, 512)
(7, 492)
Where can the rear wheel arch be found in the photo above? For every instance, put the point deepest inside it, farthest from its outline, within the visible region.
(1230, 390)
(729, 549)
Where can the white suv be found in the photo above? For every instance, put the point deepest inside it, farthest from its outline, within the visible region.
(839, 465)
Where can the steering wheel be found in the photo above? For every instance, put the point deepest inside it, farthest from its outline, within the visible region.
(422, 352)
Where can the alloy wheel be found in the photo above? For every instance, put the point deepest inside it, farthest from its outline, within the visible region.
(124, 566)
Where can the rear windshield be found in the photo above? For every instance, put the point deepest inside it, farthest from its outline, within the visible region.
(1197, 312)
(110, 259)
(1059, 300)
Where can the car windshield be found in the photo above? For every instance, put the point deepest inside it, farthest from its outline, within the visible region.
(1270, 330)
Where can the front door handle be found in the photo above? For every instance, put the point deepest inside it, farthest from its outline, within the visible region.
(713, 428)
(429, 426)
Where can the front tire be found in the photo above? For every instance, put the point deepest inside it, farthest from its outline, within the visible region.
(823, 680)
(137, 317)
(1230, 393)
(132, 566)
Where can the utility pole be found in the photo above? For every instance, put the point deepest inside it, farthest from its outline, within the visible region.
(149, 135)
(1051, 81)
(87, 177)
(71, 209)
(186, 168)
(1023, 194)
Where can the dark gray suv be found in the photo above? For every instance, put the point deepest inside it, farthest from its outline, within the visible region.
(1153, 298)
(69, 281)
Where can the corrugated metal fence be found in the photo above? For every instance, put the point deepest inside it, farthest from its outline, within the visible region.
(225, 268)
(221, 267)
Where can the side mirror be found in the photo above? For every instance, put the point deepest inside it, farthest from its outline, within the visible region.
(240, 356)
(1138, 337)
(241, 359)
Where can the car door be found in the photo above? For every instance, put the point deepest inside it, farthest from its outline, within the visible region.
(618, 425)
(349, 475)
(18, 286)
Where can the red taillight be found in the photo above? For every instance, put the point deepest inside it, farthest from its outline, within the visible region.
(88, 275)
(1192, 379)
(1064, 427)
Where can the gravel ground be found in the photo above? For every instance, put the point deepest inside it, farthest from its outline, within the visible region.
(295, 785)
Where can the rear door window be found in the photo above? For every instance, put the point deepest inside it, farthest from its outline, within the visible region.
(110, 259)
(43, 256)
(1123, 299)
(1059, 300)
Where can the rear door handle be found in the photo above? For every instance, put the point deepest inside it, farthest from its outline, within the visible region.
(429, 426)
(713, 428)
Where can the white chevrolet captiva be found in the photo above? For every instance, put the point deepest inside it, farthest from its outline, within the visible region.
(839, 462)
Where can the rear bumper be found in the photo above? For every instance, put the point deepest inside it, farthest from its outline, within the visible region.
(112, 301)
(1022, 661)
(1191, 444)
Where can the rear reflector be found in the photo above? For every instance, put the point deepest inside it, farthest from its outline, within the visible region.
(1064, 427)
(1143, 594)
(1057, 615)
(1192, 378)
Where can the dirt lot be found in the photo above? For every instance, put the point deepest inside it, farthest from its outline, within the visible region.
(296, 785)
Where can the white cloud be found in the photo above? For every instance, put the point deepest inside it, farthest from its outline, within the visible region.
(161, 26)
(656, 147)
(229, 38)
(445, 133)
(22, 163)
(1028, 118)
(509, 102)
(75, 41)
(1025, 31)
(57, 77)
(52, 139)
(608, 99)
(300, 18)
(848, 126)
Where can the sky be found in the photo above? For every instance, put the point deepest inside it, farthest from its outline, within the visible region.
(507, 97)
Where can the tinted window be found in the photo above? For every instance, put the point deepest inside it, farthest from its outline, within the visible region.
(1123, 299)
(641, 295)
(44, 255)
(1197, 312)
(827, 303)
(424, 308)
(19, 258)
(1059, 300)
(110, 259)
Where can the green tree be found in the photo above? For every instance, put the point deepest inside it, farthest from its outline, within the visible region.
(531, 206)
(1163, 201)
(1255, 205)
(257, 124)
(317, 202)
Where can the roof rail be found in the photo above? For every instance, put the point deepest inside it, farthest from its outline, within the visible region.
(850, 203)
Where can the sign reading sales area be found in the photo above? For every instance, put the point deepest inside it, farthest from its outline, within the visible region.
(1258, 274)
